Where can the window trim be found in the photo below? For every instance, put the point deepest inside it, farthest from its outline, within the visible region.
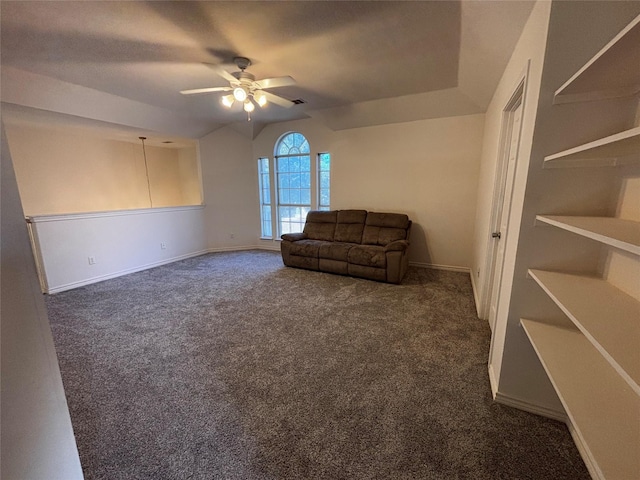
(320, 205)
(262, 161)
(278, 173)
(274, 185)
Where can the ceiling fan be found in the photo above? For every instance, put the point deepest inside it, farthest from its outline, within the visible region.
(245, 88)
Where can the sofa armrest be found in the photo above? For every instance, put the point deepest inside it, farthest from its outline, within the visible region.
(293, 237)
(397, 246)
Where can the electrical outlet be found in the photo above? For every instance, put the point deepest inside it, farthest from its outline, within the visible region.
(92, 260)
(163, 246)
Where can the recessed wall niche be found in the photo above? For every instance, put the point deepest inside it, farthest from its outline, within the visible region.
(64, 169)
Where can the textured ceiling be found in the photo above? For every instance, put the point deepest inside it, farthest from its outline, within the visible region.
(342, 54)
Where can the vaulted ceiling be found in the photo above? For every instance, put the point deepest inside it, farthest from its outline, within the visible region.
(355, 63)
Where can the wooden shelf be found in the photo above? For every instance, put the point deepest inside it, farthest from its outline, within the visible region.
(603, 409)
(620, 149)
(622, 234)
(612, 73)
(608, 317)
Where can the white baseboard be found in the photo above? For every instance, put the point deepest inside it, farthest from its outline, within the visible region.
(275, 248)
(108, 276)
(435, 266)
(237, 248)
(242, 248)
(476, 294)
(493, 382)
(520, 404)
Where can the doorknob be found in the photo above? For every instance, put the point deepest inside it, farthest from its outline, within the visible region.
(496, 235)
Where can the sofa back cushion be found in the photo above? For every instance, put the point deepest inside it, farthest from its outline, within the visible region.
(350, 226)
(384, 228)
(321, 225)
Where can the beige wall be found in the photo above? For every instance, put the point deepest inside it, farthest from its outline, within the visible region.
(190, 176)
(527, 59)
(620, 268)
(623, 269)
(37, 437)
(427, 169)
(64, 170)
(164, 176)
(230, 182)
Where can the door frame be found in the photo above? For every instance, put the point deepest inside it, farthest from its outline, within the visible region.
(493, 280)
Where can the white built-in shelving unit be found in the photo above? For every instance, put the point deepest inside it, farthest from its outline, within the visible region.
(598, 402)
(606, 316)
(592, 353)
(615, 232)
(619, 149)
(611, 73)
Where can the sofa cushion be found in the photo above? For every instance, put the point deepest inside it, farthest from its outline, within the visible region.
(370, 273)
(335, 250)
(384, 228)
(350, 225)
(321, 225)
(293, 237)
(368, 255)
(390, 220)
(309, 263)
(333, 266)
(306, 248)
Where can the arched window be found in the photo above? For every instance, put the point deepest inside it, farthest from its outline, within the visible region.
(301, 184)
(293, 170)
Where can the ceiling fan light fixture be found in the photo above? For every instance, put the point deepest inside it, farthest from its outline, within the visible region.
(260, 98)
(249, 106)
(240, 94)
(243, 88)
(228, 100)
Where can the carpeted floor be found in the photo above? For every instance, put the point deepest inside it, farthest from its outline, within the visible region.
(232, 366)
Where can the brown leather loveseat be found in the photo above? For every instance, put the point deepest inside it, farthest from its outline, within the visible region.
(351, 242)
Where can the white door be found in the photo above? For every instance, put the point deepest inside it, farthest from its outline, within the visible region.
(501, 225)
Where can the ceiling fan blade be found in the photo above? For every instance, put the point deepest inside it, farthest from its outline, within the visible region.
(205, 90)
(283, 102)
(222, 72)
(275, 82)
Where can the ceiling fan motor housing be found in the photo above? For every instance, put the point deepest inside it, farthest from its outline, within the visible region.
(245, 78)
(242, 62)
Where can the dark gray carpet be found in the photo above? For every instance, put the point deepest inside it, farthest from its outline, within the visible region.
(231, 366)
